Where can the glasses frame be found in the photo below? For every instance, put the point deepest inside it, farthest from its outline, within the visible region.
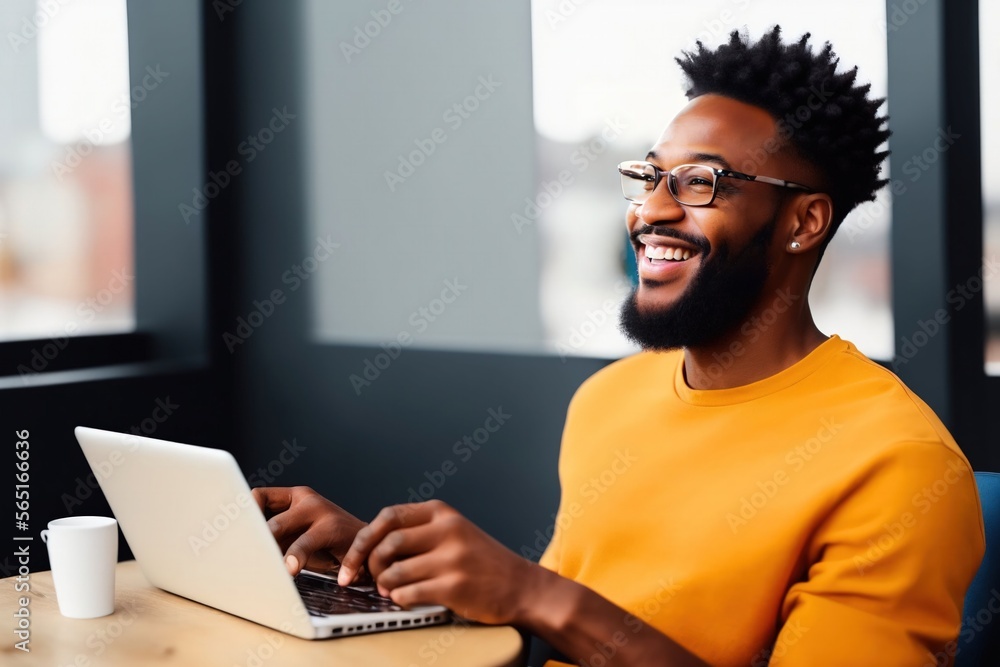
(717, 173)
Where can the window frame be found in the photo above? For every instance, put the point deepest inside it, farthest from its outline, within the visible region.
(934, 85)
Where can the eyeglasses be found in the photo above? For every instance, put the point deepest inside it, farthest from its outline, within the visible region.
(689, 184)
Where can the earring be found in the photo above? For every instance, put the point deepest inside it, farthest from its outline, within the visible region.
(794, 245)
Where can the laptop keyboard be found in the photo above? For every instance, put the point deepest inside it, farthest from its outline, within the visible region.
(323, 597)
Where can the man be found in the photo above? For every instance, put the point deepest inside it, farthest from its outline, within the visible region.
(768, 495)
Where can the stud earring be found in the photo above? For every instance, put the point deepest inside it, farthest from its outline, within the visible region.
(794, 245)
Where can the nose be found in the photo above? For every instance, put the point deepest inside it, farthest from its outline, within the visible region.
(659, 207)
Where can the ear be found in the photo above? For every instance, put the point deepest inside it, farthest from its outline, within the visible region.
(811, 224)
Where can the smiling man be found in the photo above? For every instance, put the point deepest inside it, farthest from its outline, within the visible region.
(786, 500)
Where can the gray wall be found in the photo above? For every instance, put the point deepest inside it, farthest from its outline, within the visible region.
(168, 163)
(421, 145)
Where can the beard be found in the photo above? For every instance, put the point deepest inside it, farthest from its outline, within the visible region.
(718, 299)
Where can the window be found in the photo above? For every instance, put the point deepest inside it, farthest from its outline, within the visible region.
(66, 214)
(989, 95)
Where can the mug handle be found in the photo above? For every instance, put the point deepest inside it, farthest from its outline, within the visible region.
(45, 536)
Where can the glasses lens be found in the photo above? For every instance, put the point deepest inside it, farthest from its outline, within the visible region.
(692, 184)
(638, 179)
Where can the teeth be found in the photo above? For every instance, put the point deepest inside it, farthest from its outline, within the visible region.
(667, 253)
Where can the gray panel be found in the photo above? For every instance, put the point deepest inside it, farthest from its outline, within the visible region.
(164, 49)
(421, 146)
(919, 272)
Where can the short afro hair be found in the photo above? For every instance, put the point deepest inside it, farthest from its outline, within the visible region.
(825, 118)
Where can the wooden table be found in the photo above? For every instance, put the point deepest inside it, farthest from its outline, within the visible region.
(153, 627)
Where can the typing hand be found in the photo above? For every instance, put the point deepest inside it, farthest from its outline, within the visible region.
(428, 553)
(312, 532)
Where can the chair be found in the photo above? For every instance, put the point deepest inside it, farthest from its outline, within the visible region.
(979, 640)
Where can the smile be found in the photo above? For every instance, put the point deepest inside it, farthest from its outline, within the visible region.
(663, 252)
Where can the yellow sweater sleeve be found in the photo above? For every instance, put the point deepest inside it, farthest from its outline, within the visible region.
(891, 568)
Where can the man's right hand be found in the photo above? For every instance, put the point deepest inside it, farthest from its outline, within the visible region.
(311, 531)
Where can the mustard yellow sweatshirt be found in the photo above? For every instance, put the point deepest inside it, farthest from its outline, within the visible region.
(821, 516)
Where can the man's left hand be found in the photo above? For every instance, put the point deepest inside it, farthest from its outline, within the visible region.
(428, 553)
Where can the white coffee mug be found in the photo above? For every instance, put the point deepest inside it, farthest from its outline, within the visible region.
(83, 552)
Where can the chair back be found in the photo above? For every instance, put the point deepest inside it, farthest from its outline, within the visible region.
(979, 639)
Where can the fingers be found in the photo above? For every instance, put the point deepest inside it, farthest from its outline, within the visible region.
(299, 551)
(388, 520)
(283, 524)
(274, 498)
(291, 508)
(400, 544)
(408, 571)
(424, 592)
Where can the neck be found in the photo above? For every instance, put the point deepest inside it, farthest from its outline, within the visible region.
(777, 335)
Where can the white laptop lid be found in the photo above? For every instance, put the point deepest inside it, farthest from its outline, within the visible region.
(194, 528)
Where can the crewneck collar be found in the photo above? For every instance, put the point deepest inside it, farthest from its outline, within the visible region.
(748, 392)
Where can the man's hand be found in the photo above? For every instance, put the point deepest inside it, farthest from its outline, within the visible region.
(311, 531)
(428, 553)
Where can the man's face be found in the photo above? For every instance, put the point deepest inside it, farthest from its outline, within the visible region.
(694, 301)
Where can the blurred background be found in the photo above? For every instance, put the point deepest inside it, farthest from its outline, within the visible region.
(66, 214)
(362, 226)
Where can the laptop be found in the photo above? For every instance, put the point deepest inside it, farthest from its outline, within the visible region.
(196, 531)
